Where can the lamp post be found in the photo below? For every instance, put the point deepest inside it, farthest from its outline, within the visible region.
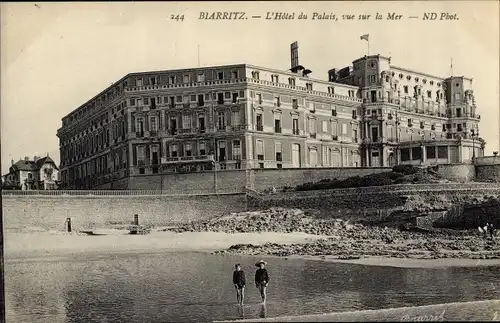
(398, 140)
(422, 137)
(410, 131)
(474, 134)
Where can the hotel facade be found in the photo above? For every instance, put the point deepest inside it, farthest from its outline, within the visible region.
(244, 117)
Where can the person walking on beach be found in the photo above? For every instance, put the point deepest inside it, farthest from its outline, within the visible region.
(239, 283)
(491, 231)
(261, 279)
(484, 230)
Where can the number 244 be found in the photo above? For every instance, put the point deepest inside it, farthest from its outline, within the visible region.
(177, 17)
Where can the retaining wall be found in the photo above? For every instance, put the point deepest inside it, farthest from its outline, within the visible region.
(50, 212)
(261, 179)
(457, 172)
(225, 181)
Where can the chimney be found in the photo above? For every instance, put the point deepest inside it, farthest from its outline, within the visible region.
(35, 158)
(12, 162)
(26, 159)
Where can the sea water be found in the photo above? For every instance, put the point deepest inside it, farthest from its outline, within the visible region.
(195, 286)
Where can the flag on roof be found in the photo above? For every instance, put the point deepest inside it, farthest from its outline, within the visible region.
(365, 37)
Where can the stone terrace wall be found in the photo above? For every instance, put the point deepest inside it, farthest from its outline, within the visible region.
(230, 181)
(488, 168)
(50, 212)
(378, 201)
(233, 181)
(457, 172)
(488, 173)
(261, 179)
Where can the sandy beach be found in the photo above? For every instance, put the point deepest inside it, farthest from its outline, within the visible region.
(464, 311)
(55, 244)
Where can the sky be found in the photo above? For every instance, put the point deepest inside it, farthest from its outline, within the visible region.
(56, 56)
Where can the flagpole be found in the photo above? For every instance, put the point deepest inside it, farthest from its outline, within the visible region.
(451, 66)
(368, 46)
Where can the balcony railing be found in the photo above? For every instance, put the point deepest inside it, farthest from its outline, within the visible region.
(236, 128)
(184, 159)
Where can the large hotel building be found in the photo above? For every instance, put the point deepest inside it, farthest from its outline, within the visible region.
(370, 114)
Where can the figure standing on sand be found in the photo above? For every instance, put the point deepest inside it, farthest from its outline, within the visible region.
(261, 279)
(491, 231)
(239, 283)
(488, 230)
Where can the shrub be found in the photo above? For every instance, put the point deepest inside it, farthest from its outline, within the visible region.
(395, 175)
(400, 180)
(304, 187)
(354, 181)
(380, 179)
(405, 169)
(376, 180)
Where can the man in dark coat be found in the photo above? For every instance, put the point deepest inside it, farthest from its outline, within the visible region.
(261, 279)
(239, 283)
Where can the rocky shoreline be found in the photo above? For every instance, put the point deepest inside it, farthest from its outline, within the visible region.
(344, 240)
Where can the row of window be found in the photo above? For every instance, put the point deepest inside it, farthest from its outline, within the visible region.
(103, 120)
(292, 82)
(459, 126)
(220, 97)
(186, 122)
(432, 152)
(101, 165)
(417, 92)
(91, 107)
(184, 78)
(188, 149)
(92, 143)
